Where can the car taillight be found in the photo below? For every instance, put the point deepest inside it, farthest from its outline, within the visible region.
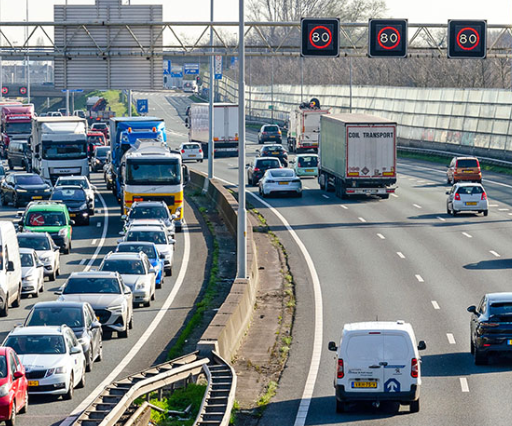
(200, 150)
(414, 368)
(484, 196)
(264, 133)
(340, 373)
(256, 169)
(489, 324)
(183, 151)
(457, 197)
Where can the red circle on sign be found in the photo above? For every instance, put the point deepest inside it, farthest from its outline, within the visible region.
(23, 90)
(397, 37)
(311, 35)
(472, 30)
(5, 90)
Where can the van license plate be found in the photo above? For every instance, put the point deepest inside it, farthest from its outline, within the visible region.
(364, 384)
(309, 170)
(33, 383)
(37, 197)
(471, 204)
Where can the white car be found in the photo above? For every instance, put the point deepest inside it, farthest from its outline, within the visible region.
(111, 300)
(32, 273)
(47, 251)
(85, 184)
(151, 211)
(164, 243)
(467, 197)
(191, 151)
(136, 272)
(53, 359)
(280, 181)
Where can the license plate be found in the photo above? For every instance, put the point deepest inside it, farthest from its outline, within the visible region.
(192, 155)
(72, 215)
(275, 153)
(283, 183)
(364, 384)
(37, 197)
(468, 171)
(471, 204)
(309, 170)
(33, 383)
(271, 136)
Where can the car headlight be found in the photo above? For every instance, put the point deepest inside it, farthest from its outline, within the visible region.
(30, 278)
(117, 309)
(83, 206)
(140, 286)
(21, 190)
(47, 190)
(45, 258)
(4, 390)
(62, 232)
(58, 370)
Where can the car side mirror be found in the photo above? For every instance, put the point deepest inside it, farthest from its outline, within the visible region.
(75, 350)
(172, 241)
(10, 266)
(18, 374)
(19, 213)
(39, 265)
(422, 345)
(152, 271)
(472, 309)
(95, 324)
(127, 290)
(123, 217)
(332, 346)
(247, 165)
(58, 292)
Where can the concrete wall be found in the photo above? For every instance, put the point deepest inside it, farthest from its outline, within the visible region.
(225, 332)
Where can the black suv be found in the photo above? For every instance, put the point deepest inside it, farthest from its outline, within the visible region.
(19, 154)
(276, 151)
(20, 188)
(75, 199)
(259, 166)
(491, 326)
(269, 132)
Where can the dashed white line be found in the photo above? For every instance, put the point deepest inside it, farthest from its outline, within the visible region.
(98, 224)
(400, 255)
(421, 181)
(464, 386)
(394, 195)
(494, 253)
(362, 219)
(442, 219)
(305, 187)
(435, 305)
(82, 261)
(343, 207)
(325, 196)
(510, 214)
(419, 278)
(417, 206)
(467, 235)
(382, 237)
(94, 242)
(503, 210)
(451, 339)
(493, 205)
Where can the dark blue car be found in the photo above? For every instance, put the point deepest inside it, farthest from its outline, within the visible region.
(157, 262)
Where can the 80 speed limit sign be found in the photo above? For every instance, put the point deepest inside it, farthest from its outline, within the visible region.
(387, 38)
(467, 39)
(320, 37)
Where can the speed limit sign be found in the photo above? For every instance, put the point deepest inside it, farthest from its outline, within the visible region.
(387, 38)
(467, 39)
(320, 37)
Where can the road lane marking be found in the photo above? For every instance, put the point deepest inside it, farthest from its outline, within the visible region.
(382, 237)
(464, 386)
(400, 255)
(94, 242)
(510, 214)
(362, 219)
(305, 187)
(346, 208)
(435, 305)
(493, 205)
(417, 206)
(419, 278)
(103, 235)
(503, 210)
(325, 196)
(467, 235)
(82, 261)
(144, 338)
(394, 195)
(442, 219)
(98, 224)
(494, 253)
(451, 339)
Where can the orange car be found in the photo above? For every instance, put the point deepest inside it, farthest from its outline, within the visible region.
(464, 169)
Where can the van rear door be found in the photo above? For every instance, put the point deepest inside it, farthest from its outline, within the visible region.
(397, 359)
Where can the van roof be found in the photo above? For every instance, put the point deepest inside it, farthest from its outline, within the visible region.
(378, 326)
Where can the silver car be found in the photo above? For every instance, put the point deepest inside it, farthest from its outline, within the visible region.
(32, 273)
(467, 197)
(111, 300)
(280, 181)
(47, 251)
(136, 272)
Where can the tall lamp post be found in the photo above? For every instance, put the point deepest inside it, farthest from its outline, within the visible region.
(211, 100)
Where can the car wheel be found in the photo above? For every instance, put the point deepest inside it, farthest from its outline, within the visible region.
(153, 296)
(340, 406)
(472, 347)
(17, 302)
(9, 163)
(57, 271)
(415, 406)
(454, 212)
(448, 210)
(15, 200)
(41, 289)
(36, 294)
(3, 201)
(87, 221)
(124, 334)
(480, 358)
(168, 272)
(12, 420)
(52, 276)
(299, 194)
(486, 212)
(89, 361)
(69, 394)
(24, 410)
(146, 304)
(5, 309)
(100, 354)
(130, 324)
(81, 384)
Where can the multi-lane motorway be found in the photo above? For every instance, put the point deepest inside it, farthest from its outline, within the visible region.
(402, 258)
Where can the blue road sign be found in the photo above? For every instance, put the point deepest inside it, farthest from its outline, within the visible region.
(392, 385)
(72, 90)
(177, 72)
(191, 69)
(218, 67)
(142, 106)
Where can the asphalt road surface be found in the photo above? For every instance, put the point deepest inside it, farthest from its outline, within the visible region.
(403, 258)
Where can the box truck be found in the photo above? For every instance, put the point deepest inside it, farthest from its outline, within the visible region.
(304, 126)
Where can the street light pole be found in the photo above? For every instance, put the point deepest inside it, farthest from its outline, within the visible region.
(211, 101)
(242, 214)
(28, 60)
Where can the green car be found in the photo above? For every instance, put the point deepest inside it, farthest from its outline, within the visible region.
(48, 216)
(306, 165)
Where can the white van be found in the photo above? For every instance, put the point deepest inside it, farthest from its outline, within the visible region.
(378, 361)
(10, 268)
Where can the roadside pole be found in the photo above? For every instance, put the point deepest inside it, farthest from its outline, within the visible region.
(242, 213)
(67, 102)
(211, 100)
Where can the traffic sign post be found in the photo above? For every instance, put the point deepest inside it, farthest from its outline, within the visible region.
(142, 106)
(387, 38)
(218, 67)
(467, 39)
(320, 37)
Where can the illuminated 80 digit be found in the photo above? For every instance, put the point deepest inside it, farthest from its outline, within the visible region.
(324, 37)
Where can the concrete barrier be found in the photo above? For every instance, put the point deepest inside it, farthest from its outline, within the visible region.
(225, 332)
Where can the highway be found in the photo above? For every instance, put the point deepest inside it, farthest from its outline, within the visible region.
(148, 341)
(403, 258)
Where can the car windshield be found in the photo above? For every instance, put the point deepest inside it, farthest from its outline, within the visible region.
(157, 237)
(72, 150)
(149, 250)
(29, 180)
(469, 190)
(270, 129)
(282, 173)
(99, 126)
(37, 344)
(311, 161)
(129, 267)
(95, 139)
(79, 285)
(3, 366)
(468, 162)
(77, 182)
(27, 259)
(154, 212)
(55, 315)
(69, 194)
(272, 148)
(44, 218)
(102, 152)
(35, 243)
(500, 309)
(153, 172)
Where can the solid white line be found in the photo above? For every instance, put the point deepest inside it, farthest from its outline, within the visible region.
(325, 196)
(464, 384)
(467, 235)
(435, 305)
(103, 235)
(382, 237)
(417, 206)
(494, 253)
(418, 277)
(362, 219)
(451, 339)
(94, 242)
(346, 208)
(442, 219)
(144, 338)
(400, 255)
(394, 195)
(83, 261)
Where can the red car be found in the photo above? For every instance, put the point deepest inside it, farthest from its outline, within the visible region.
(100, 127)
(13, 386)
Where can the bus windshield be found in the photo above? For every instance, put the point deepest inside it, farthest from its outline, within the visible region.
(18, 128)
(72, 150)
(151, 172)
